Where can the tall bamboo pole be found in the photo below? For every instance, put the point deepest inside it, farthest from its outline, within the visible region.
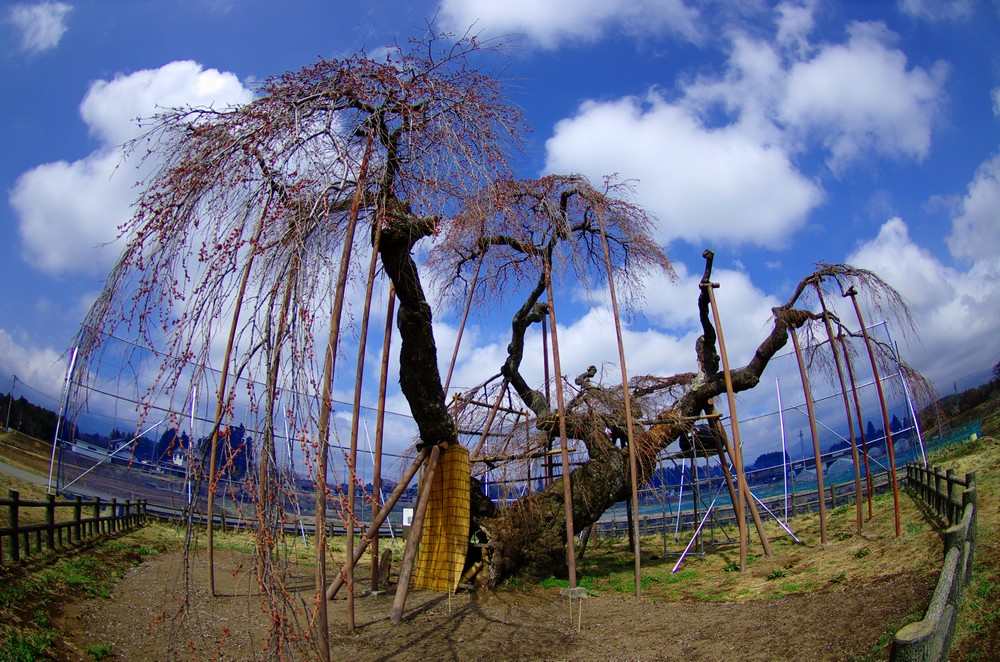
(751, 505)
(737, 451)
(380, 431)
(356, 418)
(490, 418)
(383, 514)
(220, 406)
(628, 410)
(821, 489)
(461, 327)
(861, 426)
(322, 624)
(560, 403)
(548, 398)
(416, 532)
(847, 405)
(853, 294)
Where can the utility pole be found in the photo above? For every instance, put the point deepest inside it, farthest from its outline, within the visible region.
(10, 399)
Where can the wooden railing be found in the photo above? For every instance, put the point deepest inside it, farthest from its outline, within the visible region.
(88, 519)
(954, 499)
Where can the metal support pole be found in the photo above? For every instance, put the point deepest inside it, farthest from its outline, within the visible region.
(62, 409)
(352, 461)
(549, 468)
(784, 444)
(461, 327)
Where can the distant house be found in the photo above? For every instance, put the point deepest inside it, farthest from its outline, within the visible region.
(179, 457)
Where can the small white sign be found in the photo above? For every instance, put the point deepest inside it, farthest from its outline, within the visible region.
(407, 516)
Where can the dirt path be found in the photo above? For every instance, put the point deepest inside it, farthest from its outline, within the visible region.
(147, 619)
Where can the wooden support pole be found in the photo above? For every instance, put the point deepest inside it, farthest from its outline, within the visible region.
(861, 426)
(13, 521)
(815, 435)
(352, 461)
(461, 327)
(847, 407)
(630, 428)
(853, 294)
(379, 432)
(751, 503)
(413, 541)
(561, 408)
(737, 451)
(372, 533)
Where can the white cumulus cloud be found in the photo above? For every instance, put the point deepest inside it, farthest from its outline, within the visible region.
(43, 369)
(956, 311)
(69, 211)
(937, 10)
(861, 97)
(975, 230)
(720, 183)
(40, 26)
(553, 22)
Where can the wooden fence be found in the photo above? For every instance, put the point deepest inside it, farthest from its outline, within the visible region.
(954, 500)
(88, 519)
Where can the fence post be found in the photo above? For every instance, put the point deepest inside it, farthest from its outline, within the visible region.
(938, 491)
(77, 516)
(12, 520)
(833, 495)
(97, 517)
(50, 521)
(970, 498)
(953, 515)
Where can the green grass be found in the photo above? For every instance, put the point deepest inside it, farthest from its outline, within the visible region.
(98, 651)
(25, 647)
(681, 576)
(27, 595)
(880, 649)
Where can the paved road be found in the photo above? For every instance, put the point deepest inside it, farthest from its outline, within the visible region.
(28, 477)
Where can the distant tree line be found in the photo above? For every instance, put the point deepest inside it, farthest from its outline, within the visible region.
(957, 404)
(234, 454)
(31, 419)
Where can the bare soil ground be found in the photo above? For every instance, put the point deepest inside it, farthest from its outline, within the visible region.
(837, 601)
(146, 618)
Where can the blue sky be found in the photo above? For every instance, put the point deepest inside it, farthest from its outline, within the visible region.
(777, 134)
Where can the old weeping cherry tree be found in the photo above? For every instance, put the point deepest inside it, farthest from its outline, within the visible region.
(258, 219)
